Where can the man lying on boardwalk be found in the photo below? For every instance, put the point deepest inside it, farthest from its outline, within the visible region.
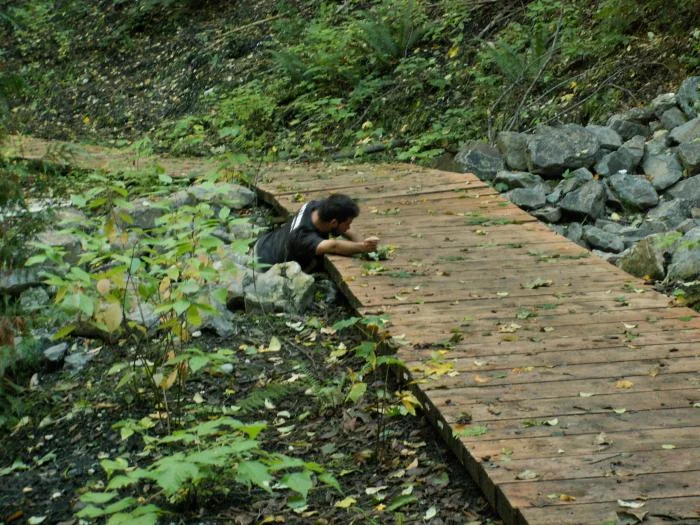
(306, 237)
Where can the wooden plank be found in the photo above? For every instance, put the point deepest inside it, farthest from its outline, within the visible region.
(681, 510)
(583, 444)
(448, 398)
(542, 410)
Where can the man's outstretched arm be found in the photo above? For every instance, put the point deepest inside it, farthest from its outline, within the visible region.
(347, 246)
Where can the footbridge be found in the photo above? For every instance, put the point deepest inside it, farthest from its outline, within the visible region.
(568, 389)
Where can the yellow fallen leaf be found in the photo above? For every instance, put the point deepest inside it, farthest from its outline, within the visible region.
(197, 398)
(480, 379)
(624, 383)
(104, 286)
(668, 447)
(566, 497)
(345, 503)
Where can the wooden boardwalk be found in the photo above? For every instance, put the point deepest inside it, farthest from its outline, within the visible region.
(562, 383)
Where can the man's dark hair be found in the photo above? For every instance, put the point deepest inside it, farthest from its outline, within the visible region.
(339, 207)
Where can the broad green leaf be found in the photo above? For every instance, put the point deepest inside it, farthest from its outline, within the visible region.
(356, 392)
(113, 465)
(298, 482)
(198, 361)
(181, 306)
(254, 472)
(17, 465)
(120, 505)
(35, 259)
(90, 512)
(345, 323)
(401, 501)
(119, 482)
(193, 317)
(329, 480)
(98, 497)
(172, 472)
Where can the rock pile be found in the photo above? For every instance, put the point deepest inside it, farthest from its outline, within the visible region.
(629, 190)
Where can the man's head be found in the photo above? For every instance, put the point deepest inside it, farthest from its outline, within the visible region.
(338, 211)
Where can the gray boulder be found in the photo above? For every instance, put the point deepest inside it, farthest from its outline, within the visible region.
(56, 353)
(14, 281)
(233, 196)
(480, 159)
(685, 261)
(603, 240)
(662, 169)
(71, 218)
(527, 198)
(574, 180)
(517, 179)
(648, 257)
(689, 96)
(143, 213)
(688, 132)
(688, 189)
(512, 146)
(663, 103)
(284, 287)
(607, 137)
(574, 232)
(689, 154)
(548, 214)
(587, 200)
(553, 150)
(670, 213)
(68, 242)
(34, 299)
(626, 127)
(672, 118)
(625, 158)
(633, 191)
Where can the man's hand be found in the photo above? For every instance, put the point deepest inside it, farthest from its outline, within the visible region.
(370, 244)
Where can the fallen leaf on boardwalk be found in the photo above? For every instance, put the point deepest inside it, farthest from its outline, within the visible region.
(586, 394)
(624, 383)
(566, 497)
(526, 475)
(668, 447)
(629, 516)
(480, 379)
(547, 329)
(480, 362)
(553, 422)
(630, 326)
(346, 503)
(510, 328)
(619, 410)
(502, 294)
(602, 439)
(469, 431)
(630, 504)
(537, 283)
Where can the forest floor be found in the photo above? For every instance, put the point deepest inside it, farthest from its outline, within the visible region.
(390, 469)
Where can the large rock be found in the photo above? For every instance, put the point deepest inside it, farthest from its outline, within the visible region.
(663, 103)
(587, 200)
(517, 179)
(688, 132)
(143, 213)
(685, 262)
(234, 196)
(688, 189)
(34, 299)
(670, 213)
(284, 287)
(689, 96)
(481, 159)
(663, 169)
(626, 127)
(625, 158)
(689, 154)
(672, 118)
(553, 150)
(16, 280)
(647, 257)
(574, 180)
(64, 240)
(603, 240)
(607, 137)
(527, 198)
(512, 146)
(633, 191)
